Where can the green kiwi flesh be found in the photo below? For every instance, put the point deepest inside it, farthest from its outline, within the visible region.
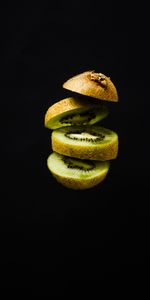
(76, 173)
(86, 142)
(78, 116)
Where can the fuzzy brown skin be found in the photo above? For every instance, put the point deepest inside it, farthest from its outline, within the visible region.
(77, 184)
(85, 85)
(101, 152)
(66, 105)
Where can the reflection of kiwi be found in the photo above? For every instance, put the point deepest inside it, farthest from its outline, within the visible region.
(75, 173)
(92, 84)
(74, 111)
(86, 142)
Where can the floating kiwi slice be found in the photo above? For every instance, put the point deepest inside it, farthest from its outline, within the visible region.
(86, 142)
(74, 111)
(92, 84)
(76, 173)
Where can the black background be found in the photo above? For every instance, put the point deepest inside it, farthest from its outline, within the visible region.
(53, 239)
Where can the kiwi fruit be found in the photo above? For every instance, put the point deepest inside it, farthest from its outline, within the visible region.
(82, 149)
(94, 85)
(74, 111)
(85, 142)
(76, 173)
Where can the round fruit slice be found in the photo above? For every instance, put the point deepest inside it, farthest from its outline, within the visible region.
(86, 142)
(76, 173)
(74, 111)
(92, 84)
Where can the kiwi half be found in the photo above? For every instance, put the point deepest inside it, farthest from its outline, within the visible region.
(86, 142)
(75, 173)
(92, 84)
(74, 111)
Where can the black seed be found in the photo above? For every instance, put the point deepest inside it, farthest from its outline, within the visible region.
(99, 136)
(73, 164)
(69, 120)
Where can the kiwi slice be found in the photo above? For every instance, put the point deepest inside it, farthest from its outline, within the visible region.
(86, 142)
(92, 84)
(74, 111)
(76, 173)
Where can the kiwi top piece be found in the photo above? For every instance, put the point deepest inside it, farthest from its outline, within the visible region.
(92, 84)
(74, 111)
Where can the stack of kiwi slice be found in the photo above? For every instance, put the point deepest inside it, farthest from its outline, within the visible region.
(82, 149)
